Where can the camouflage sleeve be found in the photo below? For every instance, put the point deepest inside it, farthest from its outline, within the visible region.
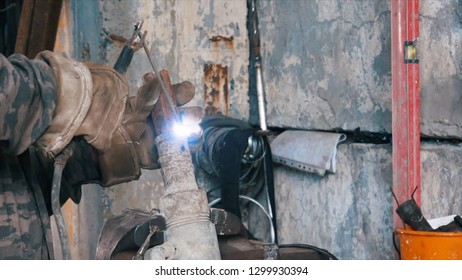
(27, 101)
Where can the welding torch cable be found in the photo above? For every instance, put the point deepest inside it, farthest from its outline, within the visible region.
(251, 169)
(60, 162)
(212, 144)
(263, 154)
(243, 181)
(254, 183)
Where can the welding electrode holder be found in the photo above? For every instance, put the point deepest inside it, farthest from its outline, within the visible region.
(127, 52)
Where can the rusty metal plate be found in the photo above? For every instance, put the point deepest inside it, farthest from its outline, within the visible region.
(216, 89)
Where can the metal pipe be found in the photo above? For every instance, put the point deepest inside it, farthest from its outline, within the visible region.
(405, 103)
(187, 214)
(255, 46)
(261, 97)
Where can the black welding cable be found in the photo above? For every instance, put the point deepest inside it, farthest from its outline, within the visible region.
(323, 252)
(60, 163)
(55, 205)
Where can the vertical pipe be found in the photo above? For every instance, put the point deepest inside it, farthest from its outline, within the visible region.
(405, 103)
(413, 84)
(261, 98)
(190, 234)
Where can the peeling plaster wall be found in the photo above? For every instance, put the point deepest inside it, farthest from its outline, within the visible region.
(441, 177)
(326, 66)
(182, 36)
(440, 54)
(349, 213)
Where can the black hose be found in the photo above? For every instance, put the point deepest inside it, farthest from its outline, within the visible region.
(60, 163)
(323, 252)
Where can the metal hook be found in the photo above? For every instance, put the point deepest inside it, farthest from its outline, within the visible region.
(393, 193)
(412, 195)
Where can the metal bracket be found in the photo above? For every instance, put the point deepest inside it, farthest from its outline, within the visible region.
(410, 52)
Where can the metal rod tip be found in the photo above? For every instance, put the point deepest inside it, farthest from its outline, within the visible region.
(139, 24)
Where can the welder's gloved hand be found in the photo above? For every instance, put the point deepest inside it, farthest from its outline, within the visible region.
(183, 93)
(93, 103)
(117, 137)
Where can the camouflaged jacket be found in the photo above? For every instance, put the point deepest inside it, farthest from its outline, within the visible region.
(27, 103)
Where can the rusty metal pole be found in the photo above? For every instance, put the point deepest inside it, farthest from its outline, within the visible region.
(405, 102)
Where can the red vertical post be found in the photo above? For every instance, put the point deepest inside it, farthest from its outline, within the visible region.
(405, 102)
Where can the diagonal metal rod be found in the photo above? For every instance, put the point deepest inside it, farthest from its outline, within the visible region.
(255, 45)
(138, 26)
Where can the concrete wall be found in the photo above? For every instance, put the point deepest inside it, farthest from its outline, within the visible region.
(327, 66)
(350, 213)
(440, 49)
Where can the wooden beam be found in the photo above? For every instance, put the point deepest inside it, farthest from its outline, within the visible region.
(38, 26)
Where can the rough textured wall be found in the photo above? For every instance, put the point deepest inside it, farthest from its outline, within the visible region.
(441, 177)
(327, 64)
(440, 53)
(184, 36)
(214, 33)
(350, 213)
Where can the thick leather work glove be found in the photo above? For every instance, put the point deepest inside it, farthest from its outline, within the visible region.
(115, 123)
(93, 102)
(183, 93)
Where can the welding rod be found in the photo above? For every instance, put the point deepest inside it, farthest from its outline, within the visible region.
(151, 60)
(255, 42)
(261, 97)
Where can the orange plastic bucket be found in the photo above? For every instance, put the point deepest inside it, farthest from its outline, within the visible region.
(426, 245)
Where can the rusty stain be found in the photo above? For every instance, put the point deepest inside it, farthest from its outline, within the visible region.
(117, 38)
(228, 41)
(221, 38)
(120, 40)
(216, 89)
